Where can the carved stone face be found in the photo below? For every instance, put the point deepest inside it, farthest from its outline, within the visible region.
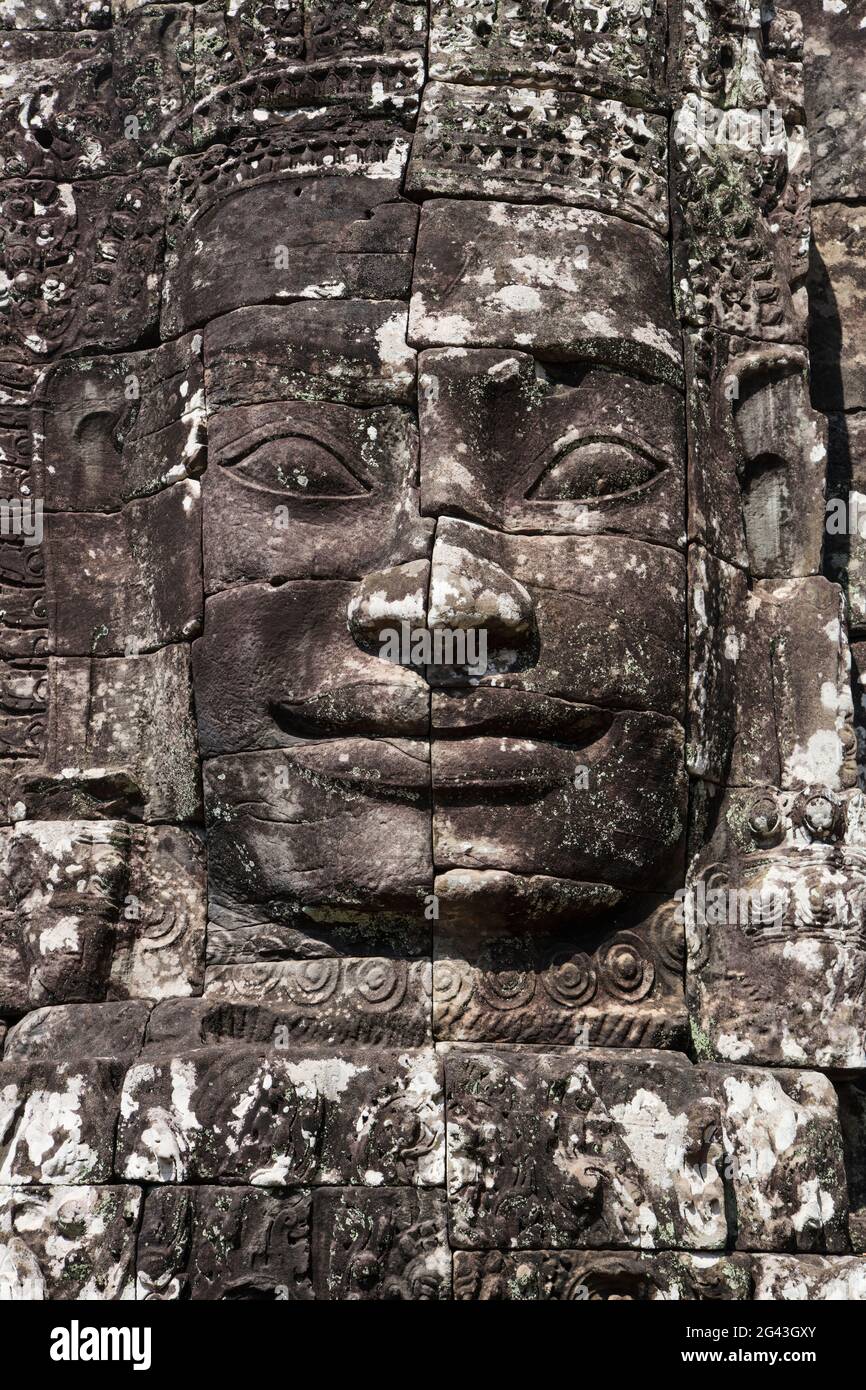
(431, 849)
(356, 490)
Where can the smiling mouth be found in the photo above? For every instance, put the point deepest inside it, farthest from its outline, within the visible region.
(395, 709)
(501, 742)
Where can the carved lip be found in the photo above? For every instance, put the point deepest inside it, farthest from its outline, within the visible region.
(401, 709)
(379, 708)
(376, 766)
(510, 711)
(523, 767)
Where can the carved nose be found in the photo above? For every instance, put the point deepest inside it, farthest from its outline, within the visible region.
(475, 597)
(459, 619)
(385, 601)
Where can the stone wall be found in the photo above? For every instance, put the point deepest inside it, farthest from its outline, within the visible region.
(432, 617)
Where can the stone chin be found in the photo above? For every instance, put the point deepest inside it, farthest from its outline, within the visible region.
(519, 900)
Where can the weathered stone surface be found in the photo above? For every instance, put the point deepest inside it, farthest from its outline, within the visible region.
(845, 544)
(834, 78)
(600, 1276)
(338, 1000)
(325, 842)
(60, 119)
(774, 919)
(23, 721)
(82, 261)
(584, 1276)
(771, 696)
(560, 450)
(224, 1242)
(558, 617)
(58, 14)
(503, 796)
(741, 168)
(718, 593)
(852, 1115)
(141, 585)
(740, 262)
(613, 980)
(618, 50)
(109, 429)
(354, 353)
(160, 954)
(78, 1030)
(154, 71)
(510, 902)
(811, 1278)
(783, 1159)
(384, 1244)
(99, 910)
(23, 631)
(254, 35)
(739, 56)
(398, 669)
(562, 1150)
(837, 279)
(64, 887)
(120, 741)
(811, 702)
(283, 476)
(365, 999)
(248, 1115)
(57, 1121)
(68, 1242)
(700, 1155)
(237, 241)
(758, 455)
(308, 456)
(337, 102)
(82, 104)
(562, 282)
(632, 778)
(524, 144)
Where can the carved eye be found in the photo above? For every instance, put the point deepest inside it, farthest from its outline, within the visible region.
(591, 470)
(302, 466)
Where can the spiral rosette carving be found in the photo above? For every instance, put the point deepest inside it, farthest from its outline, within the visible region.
(380, 984)
(666, 931)
(453, 985)
(504, 980)
(314, 982)
(570, 980)
(627, 972)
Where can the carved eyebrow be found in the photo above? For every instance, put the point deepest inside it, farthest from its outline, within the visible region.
(271, 432)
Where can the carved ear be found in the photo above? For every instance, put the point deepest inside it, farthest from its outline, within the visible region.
(764, 491)
(97, 433)
(782, 459)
